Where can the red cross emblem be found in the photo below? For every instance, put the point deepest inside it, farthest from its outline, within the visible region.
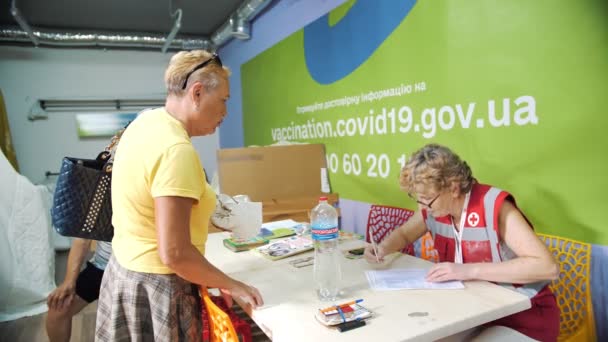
(473, 219)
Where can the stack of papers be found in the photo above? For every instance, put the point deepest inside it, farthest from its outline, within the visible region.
(276, 233)
(278, 229)
(406, 279)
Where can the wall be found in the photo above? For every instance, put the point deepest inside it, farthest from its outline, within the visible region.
(278, 21)
(364, 94)
(28, 74)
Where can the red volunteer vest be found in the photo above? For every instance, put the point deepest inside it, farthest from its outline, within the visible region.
(481, 243)
(480, 232)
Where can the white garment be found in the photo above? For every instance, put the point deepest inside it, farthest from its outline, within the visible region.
(27, 259)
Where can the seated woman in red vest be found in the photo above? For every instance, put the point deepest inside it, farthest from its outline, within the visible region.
(479, 233)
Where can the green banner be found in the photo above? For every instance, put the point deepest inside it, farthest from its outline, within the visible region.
(516, 88)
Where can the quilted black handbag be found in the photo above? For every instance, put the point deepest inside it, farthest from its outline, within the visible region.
(82, 205)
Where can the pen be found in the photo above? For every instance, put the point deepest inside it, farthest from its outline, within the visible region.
(374, 246)
(331, 308)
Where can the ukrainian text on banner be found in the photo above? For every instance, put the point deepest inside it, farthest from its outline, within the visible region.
(516, 88)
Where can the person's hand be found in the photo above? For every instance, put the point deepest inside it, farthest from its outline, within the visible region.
(62, 296)
(370, 254)
(446, 271)
(246, 293)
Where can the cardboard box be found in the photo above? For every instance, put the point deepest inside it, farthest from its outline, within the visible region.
(272, 172)
(286, 179)
(297, 209)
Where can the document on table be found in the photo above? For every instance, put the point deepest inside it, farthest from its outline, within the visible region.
(406, 279)
(279, 224)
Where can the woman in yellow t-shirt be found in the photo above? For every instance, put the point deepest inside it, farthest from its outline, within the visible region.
(161, 209)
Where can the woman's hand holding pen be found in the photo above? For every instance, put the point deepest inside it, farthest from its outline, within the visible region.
(372, 256)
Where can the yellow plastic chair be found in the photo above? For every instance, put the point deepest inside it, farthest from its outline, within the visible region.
(220, 325)
(572, 289)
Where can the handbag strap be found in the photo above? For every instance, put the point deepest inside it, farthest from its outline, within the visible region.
(113, 145)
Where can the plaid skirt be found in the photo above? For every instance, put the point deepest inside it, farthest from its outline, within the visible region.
(136, 306)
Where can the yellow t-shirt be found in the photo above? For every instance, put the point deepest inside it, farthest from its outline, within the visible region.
(155, 158)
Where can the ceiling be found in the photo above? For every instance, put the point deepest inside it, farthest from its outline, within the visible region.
(131, 23)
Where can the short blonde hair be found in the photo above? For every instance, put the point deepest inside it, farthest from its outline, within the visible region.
(184, 62)
(438, 167)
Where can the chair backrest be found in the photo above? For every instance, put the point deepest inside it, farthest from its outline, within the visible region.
(220, 325)
(382, 220)
(572, 289)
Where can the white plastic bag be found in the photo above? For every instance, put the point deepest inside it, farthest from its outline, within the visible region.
(223, 216)
(248, 217)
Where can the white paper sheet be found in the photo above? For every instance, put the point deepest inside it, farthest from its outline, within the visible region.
(406, 279)
(279, 224)
(248, 220)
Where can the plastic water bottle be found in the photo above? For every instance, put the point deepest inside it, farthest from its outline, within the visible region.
(327, 273)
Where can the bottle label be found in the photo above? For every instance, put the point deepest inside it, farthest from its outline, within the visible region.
(324, 233)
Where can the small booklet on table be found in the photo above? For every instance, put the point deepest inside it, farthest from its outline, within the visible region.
(287, 247)
(237, 245)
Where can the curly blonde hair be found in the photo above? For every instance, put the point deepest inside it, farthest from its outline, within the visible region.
(438, 167)
(183, 62)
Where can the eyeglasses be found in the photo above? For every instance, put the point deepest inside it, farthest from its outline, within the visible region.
(429, 204)
(214, 58)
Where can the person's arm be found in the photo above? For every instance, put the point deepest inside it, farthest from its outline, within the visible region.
(533, 263)
(64, 293)
(407, 233)
(172, 215)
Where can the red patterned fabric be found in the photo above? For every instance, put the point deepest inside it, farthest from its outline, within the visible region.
(382, 220)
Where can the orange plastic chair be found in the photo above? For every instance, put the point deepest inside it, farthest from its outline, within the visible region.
(572, 289)
(427, 248)
(220, 325)
(382, 220)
